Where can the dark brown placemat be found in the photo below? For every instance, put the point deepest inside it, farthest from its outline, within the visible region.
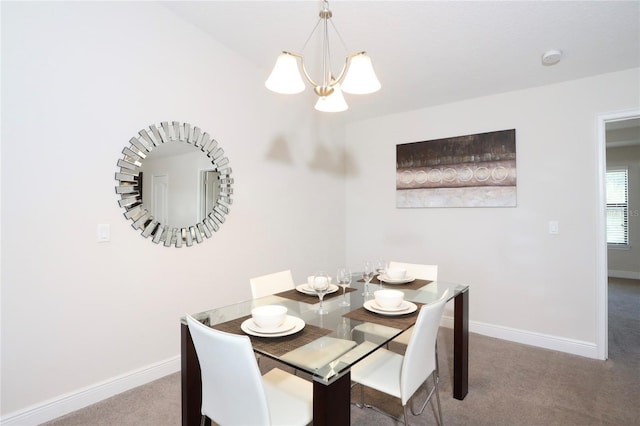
(276, 346)
(310, 298)
(413, 285)
(401, 321)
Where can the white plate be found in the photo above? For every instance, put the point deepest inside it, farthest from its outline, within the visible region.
(287, 325)
(306, 289)
(388, 280)
(370, 305)
(298, 324)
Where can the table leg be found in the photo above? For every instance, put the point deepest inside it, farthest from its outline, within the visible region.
(461, 345)
(332, 403)
(191, 381)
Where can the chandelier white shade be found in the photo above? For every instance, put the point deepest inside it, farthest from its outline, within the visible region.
(361, 79)
(356, 76)
(333, 103)
(285, 77)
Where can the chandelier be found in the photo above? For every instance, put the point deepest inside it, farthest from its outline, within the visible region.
(356, 77)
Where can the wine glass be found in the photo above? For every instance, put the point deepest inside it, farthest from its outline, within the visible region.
(321, 287)
(344, 279)
(367, 276)
(381, 269)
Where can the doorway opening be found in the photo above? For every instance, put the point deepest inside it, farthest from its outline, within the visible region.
(616, 130)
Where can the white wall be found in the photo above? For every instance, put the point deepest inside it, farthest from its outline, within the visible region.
(625, 262)
(79, 80)
(524, 283)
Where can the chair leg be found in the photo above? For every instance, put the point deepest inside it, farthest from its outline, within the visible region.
(436, 379)
(436, 382)
(402, 419)
(434, 389)
(203, 420)
(426, 401)
(356, 403)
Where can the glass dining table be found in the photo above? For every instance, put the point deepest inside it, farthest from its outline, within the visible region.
(327, 346)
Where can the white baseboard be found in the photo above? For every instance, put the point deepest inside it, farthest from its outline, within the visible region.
(73, 401)
(561, 344)
(624, 274)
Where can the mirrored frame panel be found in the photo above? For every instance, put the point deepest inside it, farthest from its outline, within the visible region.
(130, 190)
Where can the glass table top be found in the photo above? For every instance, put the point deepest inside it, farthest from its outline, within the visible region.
(328, 345)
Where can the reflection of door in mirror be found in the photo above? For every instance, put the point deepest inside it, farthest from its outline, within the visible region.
(208, 192)
(180, 166)
(160, 201)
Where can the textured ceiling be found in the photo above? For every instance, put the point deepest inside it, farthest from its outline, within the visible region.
(433, 52)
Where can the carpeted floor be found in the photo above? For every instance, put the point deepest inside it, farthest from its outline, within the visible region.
(509, 384)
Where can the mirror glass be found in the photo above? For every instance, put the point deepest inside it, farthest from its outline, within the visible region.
(175, 184)
(175, 177)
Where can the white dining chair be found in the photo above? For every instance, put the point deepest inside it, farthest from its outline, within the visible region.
(233, 390)
(402, 375)
(417, 270)
(276, 282)
(422, 272)
(266, 285)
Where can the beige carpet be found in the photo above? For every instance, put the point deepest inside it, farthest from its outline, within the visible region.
(509, 384)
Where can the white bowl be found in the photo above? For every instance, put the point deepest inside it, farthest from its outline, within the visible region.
(311, 278)
(389, 298)
(396, 273)
(269, 316)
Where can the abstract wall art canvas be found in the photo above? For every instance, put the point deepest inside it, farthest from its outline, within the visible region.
(464, 171)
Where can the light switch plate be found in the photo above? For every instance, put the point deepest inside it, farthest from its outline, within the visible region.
(103, 233)
(554, 227)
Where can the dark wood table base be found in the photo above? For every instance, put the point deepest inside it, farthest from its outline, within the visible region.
(332, 403)
(461, 345)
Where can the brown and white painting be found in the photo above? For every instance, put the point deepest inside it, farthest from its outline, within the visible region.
(463, 171)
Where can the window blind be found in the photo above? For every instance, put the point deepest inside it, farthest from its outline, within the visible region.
(617, 207)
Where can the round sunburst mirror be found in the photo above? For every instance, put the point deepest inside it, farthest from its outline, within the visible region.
(174, 184)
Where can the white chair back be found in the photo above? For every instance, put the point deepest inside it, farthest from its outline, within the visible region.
(416, 270)
(277, 282)
(232, 387)
(420, 357)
